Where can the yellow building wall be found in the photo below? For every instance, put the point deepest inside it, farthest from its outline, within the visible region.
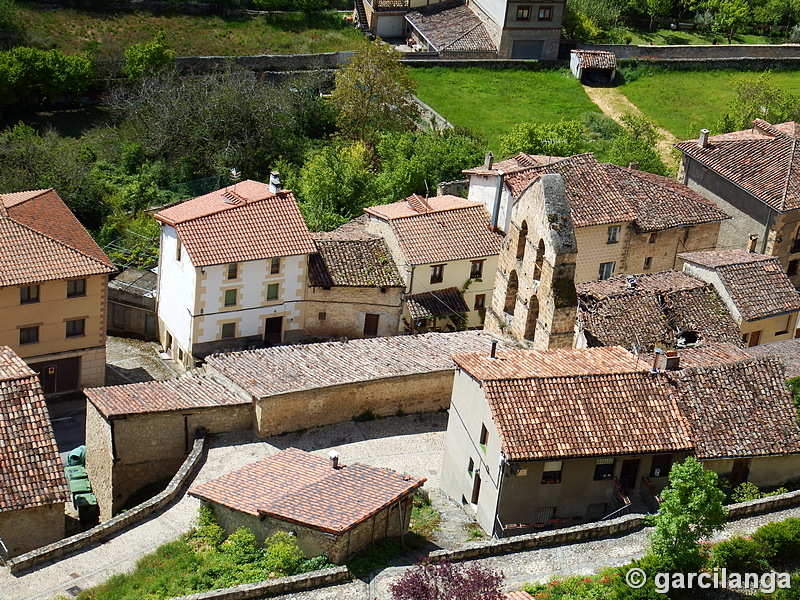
(771, 329)
(593, 250)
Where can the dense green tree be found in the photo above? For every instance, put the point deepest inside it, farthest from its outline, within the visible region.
(692, 509)
(149, 57)
(636, 143)
(374, 94)
(757, 96)
(729, 17)
(9, 25)
(551, 139)
(655, 9)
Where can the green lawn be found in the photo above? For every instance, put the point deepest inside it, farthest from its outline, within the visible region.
(683, 102)
(669, 37)
(492, 101)
(109, 34)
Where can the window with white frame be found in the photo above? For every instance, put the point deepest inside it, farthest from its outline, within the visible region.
(607, 269)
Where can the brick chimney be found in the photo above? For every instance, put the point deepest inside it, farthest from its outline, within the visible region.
(703, 139)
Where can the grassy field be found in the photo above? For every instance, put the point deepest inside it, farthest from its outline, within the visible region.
(109, 34)
(492, 101)
(683, 102)
(669, 37)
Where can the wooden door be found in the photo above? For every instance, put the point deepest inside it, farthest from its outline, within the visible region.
(371, 325)
(740, 471)
(629, 473)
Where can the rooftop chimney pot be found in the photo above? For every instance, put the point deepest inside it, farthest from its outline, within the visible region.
(751, 247)
(634, 165)
(334, 456)
(703, 140)
(487, 164)
(493, 353)
(275, 182)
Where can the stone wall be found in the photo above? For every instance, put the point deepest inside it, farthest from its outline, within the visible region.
(699, 52)
(29, 528)
(118, 523)
(344, 310)
(426, 392)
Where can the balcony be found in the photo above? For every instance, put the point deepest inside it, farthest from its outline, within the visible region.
(389, 5)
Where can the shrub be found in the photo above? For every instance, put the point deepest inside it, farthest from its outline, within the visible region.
(444, 580)
(208, 533)
(746, 491)
(147, 58)
(782, 539)
(314, 564)
(741, 555)
(241, 547)
(281, 554)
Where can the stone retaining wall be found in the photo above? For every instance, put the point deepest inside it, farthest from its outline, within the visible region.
(764, 505)
(107, 528)
(699, 52)
(275, 587)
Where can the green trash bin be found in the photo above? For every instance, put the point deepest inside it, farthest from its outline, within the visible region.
(88, 511)
(77, 456)
(79, 486)
(76, 472)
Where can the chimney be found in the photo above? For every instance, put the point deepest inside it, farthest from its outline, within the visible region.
(751, 247)
(631, 282)
(634, 165)
(493, 353)
(703, 140)
(658, 360)
(498, 196)
(673, 361)
(275, 182)
(487, 164)
(334, 456)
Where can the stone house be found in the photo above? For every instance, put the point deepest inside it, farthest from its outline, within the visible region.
(332, 509)
(754, 176)
(33, 487)
(625, 220)
(53, 290)
(754, 288)
(354, 288)
(543, 438)
(132, 304)
(232, 270)
(667, 310)
(447, 256)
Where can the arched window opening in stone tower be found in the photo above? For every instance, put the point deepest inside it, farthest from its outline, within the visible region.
(533, 317)
(522, 240)
(537, 267)
(511, 293)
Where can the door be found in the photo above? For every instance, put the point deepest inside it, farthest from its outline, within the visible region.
(371, 325)
(390, 25)
(273, 330)
(755, 337)
(59, 375)
(740, 471)
(527, 49)
(628, 474)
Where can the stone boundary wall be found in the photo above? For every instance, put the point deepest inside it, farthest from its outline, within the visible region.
(275, 587)
(430, 116)
(107, 528)
(763, 505)
(699, 52)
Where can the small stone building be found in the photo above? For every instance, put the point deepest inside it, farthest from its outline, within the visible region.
(593, 66)
(33, 487)
(132, 304)
(333, 509)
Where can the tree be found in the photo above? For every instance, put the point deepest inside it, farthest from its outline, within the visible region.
(692, 509)
(9, 25)
(149, 57)
(757, 96)
(636, 143)
(444, 580)
(729, 16)
(656, 9)
(373, 94)
(550, 139)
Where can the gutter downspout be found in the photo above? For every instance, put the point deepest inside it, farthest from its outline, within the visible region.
(500, 478)
(497, 196)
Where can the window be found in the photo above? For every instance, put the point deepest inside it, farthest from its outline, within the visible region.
(546, 13)
(28, 335)
(228, 330)
(28, 294)
(233, 270)
(785, 328)
(437, 273)
(648, 262)
(275, 266)
(76, 288)
(178, 249)
(552, 471)
(471, 466)
(523, 13)
(76, 328)
(661, 465)
(371, 324)
(484, 438)
(603, 469)
(322, 316)
(791, 270)
(652, 239)
(613, 234)
(476, 271)
(230, 297)
(607, 269)
(480, 301)
(272, 291)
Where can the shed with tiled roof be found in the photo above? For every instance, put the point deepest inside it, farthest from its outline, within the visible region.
(593, 65)
(333, 509)
(33, 487)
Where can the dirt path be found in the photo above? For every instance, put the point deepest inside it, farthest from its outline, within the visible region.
(615, 104)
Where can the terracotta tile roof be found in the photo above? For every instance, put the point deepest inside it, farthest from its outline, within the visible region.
(787, 350)
(41, 240)
(417, 205)
(357, 263)
(738, 409)
(239, 223)
(709, 355)
(518, 162)
(756, 283)
(451, 27)
(31, 471)
(436, 304)
(601, 193)
(161, 396)
(446, 236)
(283, 369)
(301, 488)
(560, 362)
(596, 59)
(765, 163)
(352, 230)
(138, 282)
(518, 596)
(586, 415)
(655, 313)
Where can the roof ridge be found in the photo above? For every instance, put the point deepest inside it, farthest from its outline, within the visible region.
(64, 244)
(505, 380)
(788, 173)
(463, 35)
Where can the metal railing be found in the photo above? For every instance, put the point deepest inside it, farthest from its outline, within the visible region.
(649, 495)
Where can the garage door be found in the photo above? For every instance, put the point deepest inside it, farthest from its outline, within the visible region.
(391, 26)
(59, 375)
(527, 49)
